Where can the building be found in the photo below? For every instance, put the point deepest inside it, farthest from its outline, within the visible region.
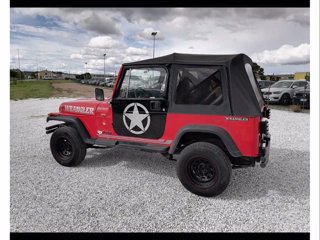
(45, 74)
(302, 75)
(68, 76)
(278, 77)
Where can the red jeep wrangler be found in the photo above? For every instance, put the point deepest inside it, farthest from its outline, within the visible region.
(206, 111)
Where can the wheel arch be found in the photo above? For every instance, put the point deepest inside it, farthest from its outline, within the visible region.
(69, 121)
(203, 133)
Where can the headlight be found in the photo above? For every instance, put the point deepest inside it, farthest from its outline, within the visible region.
(277, 92)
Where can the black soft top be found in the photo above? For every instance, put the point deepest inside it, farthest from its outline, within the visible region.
(203, 59)
(244, 97)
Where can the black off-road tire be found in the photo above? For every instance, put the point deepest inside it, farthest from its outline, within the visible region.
(286, 99)
(210, 180)
(67, 147)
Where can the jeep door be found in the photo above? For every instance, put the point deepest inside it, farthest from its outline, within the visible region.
(139, 105)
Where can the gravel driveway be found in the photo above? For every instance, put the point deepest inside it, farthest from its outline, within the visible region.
(125, 190)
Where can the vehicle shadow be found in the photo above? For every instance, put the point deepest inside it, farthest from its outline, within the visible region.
(133, 159)
(287, 173)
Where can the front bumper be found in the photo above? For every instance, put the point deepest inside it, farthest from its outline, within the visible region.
(264, 150)
(271, 97)
(301, 101)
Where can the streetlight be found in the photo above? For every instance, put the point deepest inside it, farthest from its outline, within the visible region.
(104, 65)
(85, 74)
(154, 40)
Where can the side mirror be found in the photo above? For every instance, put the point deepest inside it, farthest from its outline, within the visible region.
(99, 94)
(294, 86)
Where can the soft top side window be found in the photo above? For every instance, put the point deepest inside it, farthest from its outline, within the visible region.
(198, 85)
(253, 83)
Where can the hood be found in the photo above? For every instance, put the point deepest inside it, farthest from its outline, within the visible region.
(81, 106)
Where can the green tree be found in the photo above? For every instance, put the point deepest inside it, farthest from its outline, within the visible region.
(84, 76)
(258, 71)
(16, 74)
(34, 75)
(307, 77)
(13, 73)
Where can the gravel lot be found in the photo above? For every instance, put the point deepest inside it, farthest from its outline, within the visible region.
(124, 190)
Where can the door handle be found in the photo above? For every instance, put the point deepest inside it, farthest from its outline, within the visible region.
(155, 105)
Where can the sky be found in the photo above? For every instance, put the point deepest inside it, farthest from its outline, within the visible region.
(64, 39)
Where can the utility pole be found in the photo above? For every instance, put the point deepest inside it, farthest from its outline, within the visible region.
(104, 66)
(85, 74)
(154, 40)
(19, 63)
(37, 68)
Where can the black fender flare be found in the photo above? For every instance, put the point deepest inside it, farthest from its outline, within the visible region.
(70, 121)
(218, 131)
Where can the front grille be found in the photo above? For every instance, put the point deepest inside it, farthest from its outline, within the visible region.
(299, 95)
(268, 93)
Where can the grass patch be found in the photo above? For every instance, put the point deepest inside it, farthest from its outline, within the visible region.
(33, 89)
(295, 108)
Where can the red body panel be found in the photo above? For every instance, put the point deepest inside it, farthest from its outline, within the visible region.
(245, 134)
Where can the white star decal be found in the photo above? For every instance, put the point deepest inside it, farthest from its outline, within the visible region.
(136, 118)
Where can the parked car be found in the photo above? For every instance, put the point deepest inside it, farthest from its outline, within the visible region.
(110, 82)
(265, 83)
(301, 96)
(102, 83)
(92, 81)
(282, 91)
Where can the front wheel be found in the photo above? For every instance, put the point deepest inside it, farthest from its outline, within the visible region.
(67, 147)
(285, 99)
(204, 169)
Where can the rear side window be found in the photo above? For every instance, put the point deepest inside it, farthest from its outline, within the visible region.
(300, 84)
(253, 83)
(198, 85)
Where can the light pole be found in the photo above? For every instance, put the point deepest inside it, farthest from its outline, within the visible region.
(85, 74)
(104, 66)
(154, 40)
(19, 64)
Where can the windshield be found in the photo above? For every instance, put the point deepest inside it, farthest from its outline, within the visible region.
(282, 85)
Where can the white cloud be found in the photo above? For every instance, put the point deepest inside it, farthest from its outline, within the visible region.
(105, 42)
(136, 51)
(79, 35)
(146, 34)
(76, 56)
(38, 31)
(285, 55)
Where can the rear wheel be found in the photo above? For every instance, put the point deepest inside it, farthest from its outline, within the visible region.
(285, 99)
(204, 169)
(67, 147)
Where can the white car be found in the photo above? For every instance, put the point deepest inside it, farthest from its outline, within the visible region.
(282, 91)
